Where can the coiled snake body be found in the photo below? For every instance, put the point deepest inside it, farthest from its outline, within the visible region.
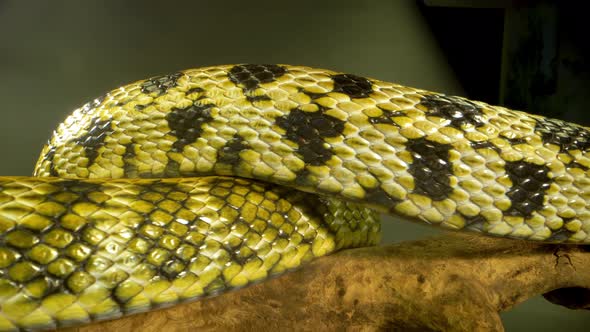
(191, 184)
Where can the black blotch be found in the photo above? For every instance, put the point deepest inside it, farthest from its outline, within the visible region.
(431, 168)
(160, 84)
(129, 169)
(379, 197)
(386, 117)
(421, 278)
(529, 182)
(186, 123)
(250, 76)
(561, 234)
(172, 170)
(94, 138)
(476, 221)
(302, 178)
(567, 136)
(257, 98)
(230, 153)
(352, 85)
(459, 111)
(308, 130)
(485, 145)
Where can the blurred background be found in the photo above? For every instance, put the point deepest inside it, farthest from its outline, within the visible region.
(56, 55)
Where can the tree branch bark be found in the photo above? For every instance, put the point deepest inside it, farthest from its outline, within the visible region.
(455, 282)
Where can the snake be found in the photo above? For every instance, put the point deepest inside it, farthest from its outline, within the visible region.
(196, 183)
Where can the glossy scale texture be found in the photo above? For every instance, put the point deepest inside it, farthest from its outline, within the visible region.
(252, 170)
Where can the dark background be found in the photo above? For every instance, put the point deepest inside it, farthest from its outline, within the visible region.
(56, 55)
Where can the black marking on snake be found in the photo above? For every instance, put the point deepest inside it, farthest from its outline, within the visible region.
(485, 145)
(139, 107)
(574, 164)
(302, 178)
(459, 111)
(386, 117)
(529, 183)
(567, 136)
(186, 123)
(160, 84)
(308, 130)
(476, 221)
(129, 169)
(172, 170)
(94, 138)
(515, 140)
(230, 153)
(352, 85)
(567, 220)
(195, 90)
(561, 234)
(234, 255)
(431, 168)
(253, 99)
(380, 197)
(250, 76)
(49, 156)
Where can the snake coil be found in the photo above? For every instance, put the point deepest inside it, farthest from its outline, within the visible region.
(195, 183)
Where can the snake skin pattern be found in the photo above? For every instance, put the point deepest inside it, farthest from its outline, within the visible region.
(195, 183)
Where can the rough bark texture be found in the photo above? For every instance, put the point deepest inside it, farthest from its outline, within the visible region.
(455, 282)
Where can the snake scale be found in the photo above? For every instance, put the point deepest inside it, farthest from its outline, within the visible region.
(191, 184)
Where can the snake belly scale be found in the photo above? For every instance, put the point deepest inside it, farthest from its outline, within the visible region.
(191, 184)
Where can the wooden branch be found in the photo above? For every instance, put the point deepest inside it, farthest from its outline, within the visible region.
(455, 282)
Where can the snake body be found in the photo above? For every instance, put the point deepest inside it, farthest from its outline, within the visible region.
(191, 184)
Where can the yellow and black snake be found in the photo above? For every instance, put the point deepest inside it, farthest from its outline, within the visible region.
(191, 184)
